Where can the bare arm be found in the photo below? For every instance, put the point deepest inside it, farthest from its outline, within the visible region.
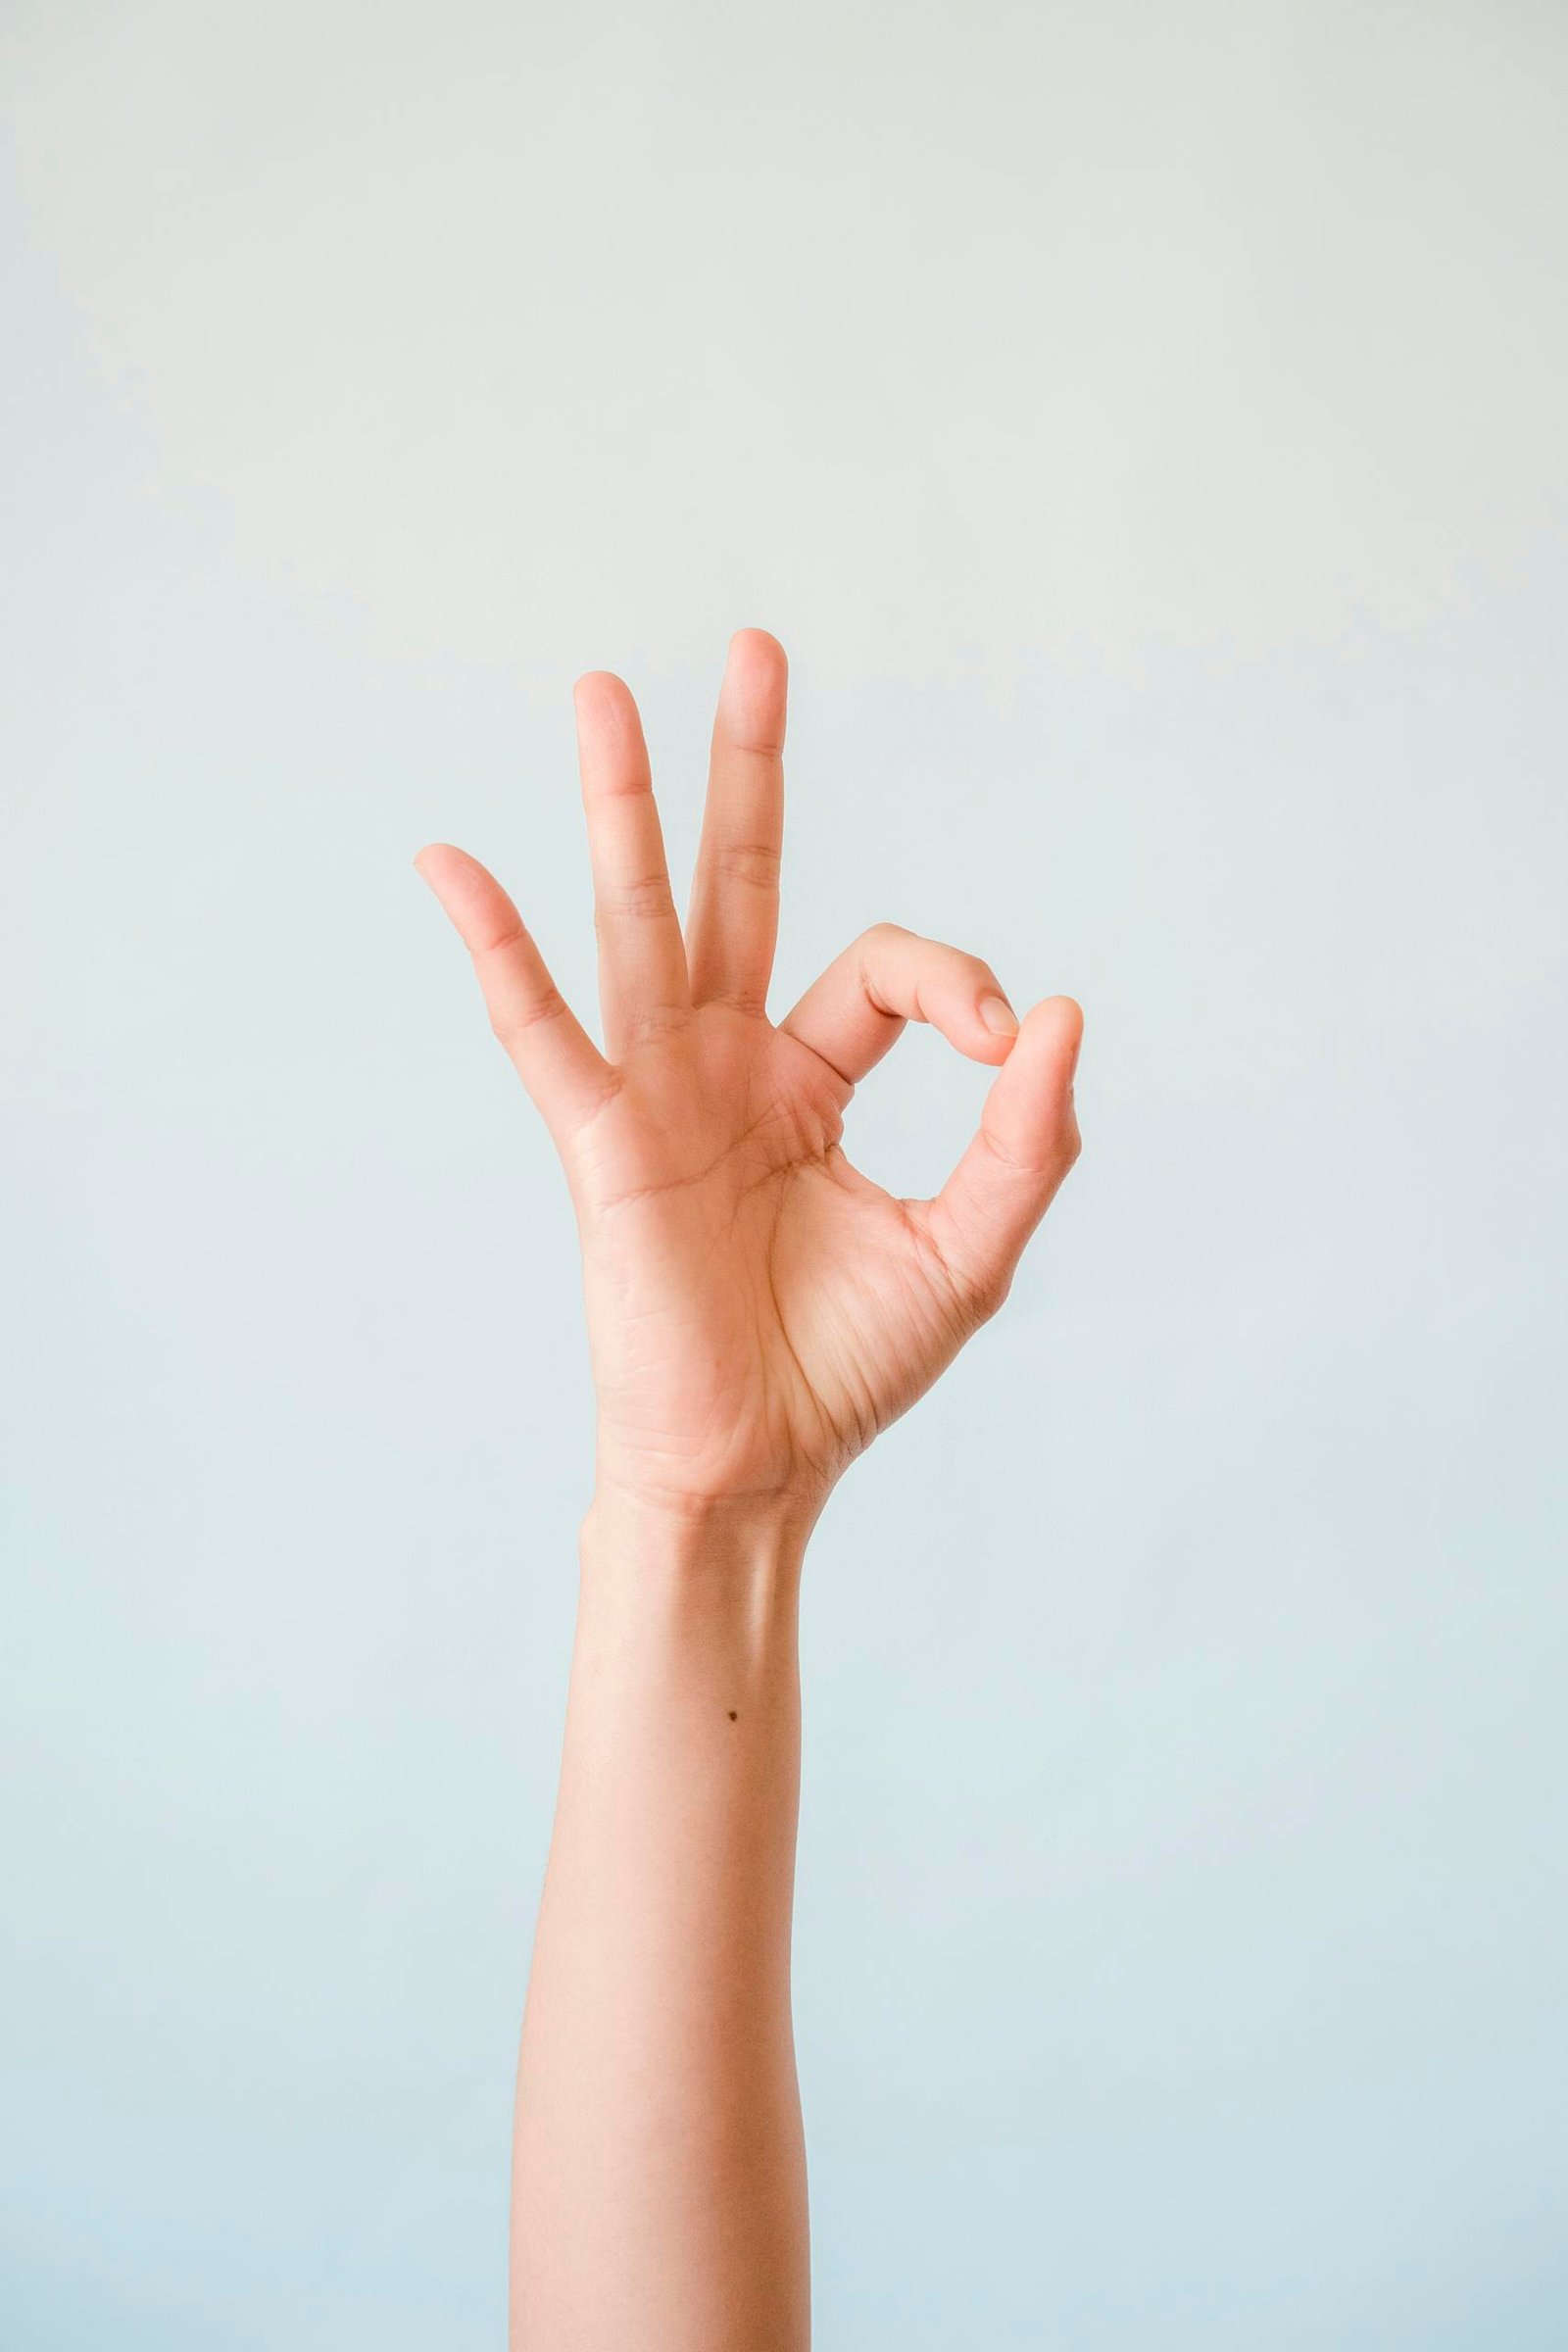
(660, 2181)
(757, 1311)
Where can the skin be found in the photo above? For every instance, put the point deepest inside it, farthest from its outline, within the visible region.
(757, 1311)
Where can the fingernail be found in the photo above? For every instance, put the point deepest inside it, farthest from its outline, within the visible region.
(999, 1017)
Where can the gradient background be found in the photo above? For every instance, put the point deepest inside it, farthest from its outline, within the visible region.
(1144, 427)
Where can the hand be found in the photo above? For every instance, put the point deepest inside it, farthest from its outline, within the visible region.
(758, 1309)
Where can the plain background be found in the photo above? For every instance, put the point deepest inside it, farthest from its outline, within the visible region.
(1144, 427)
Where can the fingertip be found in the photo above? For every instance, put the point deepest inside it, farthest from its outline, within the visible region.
(758, 645)
(1037, 1082)
(1060, 1008)
(438, 857)
(599, 691)
(755, 691)
(1057, 1022)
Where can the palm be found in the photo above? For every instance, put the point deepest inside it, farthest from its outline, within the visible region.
(757, 1308)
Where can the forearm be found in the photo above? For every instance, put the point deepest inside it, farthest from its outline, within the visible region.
(660, 2184)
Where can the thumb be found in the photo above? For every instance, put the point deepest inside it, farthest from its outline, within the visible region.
(1010, 1174)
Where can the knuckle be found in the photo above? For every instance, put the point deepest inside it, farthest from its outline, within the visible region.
(648, 898)
(989, 1292)
(753, 864)
(509, 1024)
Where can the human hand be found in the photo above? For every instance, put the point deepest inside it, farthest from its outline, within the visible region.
(758, 1309)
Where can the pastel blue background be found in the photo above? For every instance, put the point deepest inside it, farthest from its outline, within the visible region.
(1144, 427)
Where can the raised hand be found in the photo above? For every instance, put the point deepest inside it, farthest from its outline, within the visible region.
(757, 1308)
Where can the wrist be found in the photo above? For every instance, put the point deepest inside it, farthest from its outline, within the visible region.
(726, 1533)
(702, 1602)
